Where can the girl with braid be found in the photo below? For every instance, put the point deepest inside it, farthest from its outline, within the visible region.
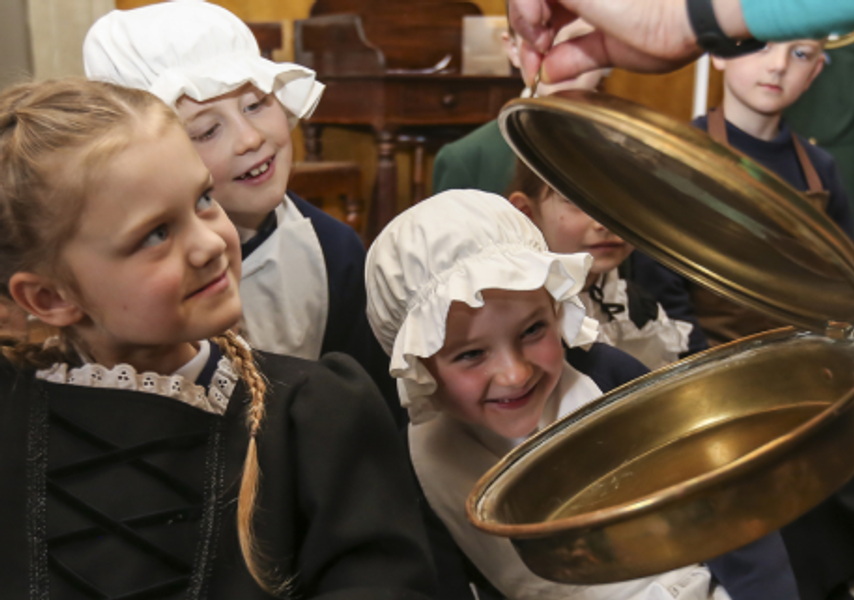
(147, 452)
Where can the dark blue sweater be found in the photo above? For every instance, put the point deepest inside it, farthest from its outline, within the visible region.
(778, 155)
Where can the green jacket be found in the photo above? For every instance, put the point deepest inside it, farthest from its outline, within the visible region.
(825, 112)
(482, 160)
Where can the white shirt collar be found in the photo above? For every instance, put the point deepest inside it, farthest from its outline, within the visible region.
(180, 385)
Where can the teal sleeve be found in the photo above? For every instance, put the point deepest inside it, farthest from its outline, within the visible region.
(796, 19)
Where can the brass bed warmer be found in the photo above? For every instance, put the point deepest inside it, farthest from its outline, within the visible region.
(713, 452)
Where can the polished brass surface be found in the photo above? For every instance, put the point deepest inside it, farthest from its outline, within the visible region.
(694, 453)
(701, 208)
(682, 465)
(715, 451)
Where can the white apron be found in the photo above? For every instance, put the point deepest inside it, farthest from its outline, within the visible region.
(449, 457)
(284, 288)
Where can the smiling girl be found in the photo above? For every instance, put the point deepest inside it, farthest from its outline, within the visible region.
(472, 307)
(134, 441)
(302, 286)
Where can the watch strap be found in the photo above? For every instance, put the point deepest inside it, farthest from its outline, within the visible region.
(710, 36)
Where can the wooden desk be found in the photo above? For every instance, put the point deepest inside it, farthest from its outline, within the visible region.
(390, 103)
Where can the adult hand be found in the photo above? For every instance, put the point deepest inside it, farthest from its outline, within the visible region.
(639, 35)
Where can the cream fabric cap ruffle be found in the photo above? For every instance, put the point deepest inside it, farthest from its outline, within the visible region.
(449, 248)
(195, 49)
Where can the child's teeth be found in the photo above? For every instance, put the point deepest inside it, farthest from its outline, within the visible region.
(262, 169)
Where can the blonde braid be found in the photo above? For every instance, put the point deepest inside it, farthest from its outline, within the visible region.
(241, 357)
(35, 356)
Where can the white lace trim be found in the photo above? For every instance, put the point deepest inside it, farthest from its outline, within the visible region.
(124, 377)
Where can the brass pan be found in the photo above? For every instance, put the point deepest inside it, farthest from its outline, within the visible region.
(682, 465)
(713, 452)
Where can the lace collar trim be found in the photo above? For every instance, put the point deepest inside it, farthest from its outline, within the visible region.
(214, 399)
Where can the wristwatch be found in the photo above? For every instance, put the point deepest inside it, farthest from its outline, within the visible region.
(710, 36)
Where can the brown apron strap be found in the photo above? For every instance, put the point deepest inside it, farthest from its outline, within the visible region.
(717, 125)
(717, 131)
(813, 180)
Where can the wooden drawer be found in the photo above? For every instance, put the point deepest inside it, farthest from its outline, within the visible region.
(451, 102)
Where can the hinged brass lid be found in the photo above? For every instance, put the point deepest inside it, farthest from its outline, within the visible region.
(703, 209)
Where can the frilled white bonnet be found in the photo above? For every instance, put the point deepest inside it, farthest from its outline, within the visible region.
(449, 248)
(195, 49)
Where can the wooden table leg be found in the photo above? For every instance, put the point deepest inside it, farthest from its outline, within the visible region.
(312, 142)
(418, 184)
(384, 206)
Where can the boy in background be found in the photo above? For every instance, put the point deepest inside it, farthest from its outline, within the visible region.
(482, 160)
(629, 319)
(757, 88)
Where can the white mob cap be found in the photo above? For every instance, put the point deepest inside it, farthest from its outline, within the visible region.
(450, 248)
(195, 49)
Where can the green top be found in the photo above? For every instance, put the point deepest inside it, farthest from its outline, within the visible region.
(825, 112)
(482, 160)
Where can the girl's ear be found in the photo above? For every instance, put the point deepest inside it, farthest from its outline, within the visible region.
(523, 203)
(41, 297)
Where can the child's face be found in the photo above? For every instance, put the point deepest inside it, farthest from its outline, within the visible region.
(500, 362)
(568, 230)
(244, 140)
(768, 81)
(155, 261)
